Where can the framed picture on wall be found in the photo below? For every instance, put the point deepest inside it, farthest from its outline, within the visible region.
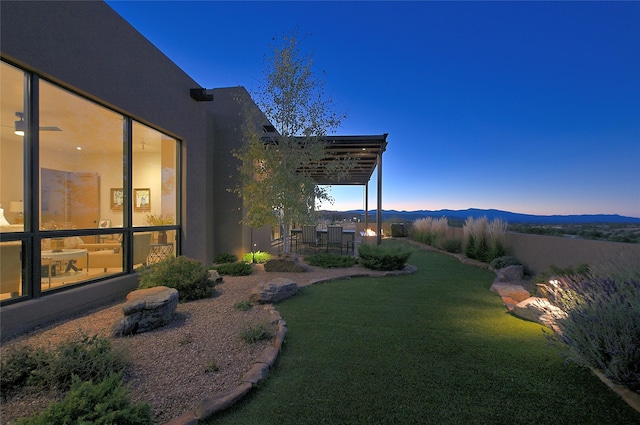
(141, 199)
(117, 199)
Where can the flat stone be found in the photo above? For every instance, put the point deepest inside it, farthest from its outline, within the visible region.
(516, 292)
(268, 356)
(186, 419)
(257, 372)
(146, 309)
(539, 310)
(209, 406)
(273, 291)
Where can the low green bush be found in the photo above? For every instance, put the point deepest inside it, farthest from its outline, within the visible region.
(259, 332)
(505, 261)
(602, 327)
(452, 245)
(330, 260)
(89, 358)
(383, 257)
(225, 258)
(243, 306)
(188, 276)
(103, 403)
(234, 269)
(258, 257)
(283, 265)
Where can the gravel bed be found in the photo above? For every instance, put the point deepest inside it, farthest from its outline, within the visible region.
(168, 367)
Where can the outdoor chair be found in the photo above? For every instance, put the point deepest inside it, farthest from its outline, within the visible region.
(334, 237)
(309, 236)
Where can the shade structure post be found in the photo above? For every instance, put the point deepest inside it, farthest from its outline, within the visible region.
(379, 214)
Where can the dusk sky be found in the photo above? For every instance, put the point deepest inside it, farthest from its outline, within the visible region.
(529, 107)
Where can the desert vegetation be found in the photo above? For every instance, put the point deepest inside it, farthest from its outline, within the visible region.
(602, 326)
(614, 232)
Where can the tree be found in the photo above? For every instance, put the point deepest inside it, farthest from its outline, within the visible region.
(275, 172)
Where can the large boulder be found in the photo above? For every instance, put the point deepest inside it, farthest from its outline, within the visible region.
(539, 310)
(146, 309)
(511, 273)
(273, 291)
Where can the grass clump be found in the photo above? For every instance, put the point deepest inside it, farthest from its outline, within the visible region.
(189, 277)
(233, 269)
(258, 257)
(384, 257)
(259, 332)
(430, 231)
(484, 240)
(225, 258)
(283, 265)
(330, 260)
(243, 306)
(103, 403)
(88, 358)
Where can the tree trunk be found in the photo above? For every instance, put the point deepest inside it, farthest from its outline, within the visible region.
(286, 238)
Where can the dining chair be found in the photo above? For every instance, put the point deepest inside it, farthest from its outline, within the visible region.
(334, 237)
(309, 236)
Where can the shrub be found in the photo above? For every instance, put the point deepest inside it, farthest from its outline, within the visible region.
(243, 306)
(505, 261)
(330, 260)
(225, 258)
(103, 403)
(258, 257)
(188, 276)
(89, 358)
(383, 257)
(452, 245)
(234, 269)
(283, 265)
(19, 364)
(602, 327)
(259, 332)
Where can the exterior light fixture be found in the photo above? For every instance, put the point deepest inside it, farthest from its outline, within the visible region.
(19, 125)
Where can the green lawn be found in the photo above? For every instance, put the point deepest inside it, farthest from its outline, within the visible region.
(435, 347)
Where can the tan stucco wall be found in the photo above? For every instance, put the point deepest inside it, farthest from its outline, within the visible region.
(538, 252)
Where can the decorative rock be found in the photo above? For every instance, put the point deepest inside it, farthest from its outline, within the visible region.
(512, 273)
(257, 372)
(214, 276)
(268, 356)
(539, 310)
(273, 291)
(516, 292)
(215, 404)
(146, 309)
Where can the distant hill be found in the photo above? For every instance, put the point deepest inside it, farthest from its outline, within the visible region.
(510, 217)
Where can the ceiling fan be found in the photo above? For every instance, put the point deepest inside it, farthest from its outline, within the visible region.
(19, 125)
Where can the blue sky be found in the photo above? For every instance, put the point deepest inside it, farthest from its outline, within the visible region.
(530, 107)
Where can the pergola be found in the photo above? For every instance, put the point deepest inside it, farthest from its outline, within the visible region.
(365, 153)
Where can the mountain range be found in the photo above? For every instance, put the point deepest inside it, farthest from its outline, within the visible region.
(509, 217)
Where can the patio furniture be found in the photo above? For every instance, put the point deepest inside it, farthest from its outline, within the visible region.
(310, 236)
(334, 237)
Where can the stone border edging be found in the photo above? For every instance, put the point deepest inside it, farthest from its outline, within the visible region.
(260, 368)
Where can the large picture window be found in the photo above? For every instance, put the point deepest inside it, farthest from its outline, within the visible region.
(86, 218)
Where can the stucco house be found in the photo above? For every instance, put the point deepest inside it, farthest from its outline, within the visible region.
(111, 158)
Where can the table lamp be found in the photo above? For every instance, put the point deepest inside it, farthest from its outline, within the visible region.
(17, 207)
